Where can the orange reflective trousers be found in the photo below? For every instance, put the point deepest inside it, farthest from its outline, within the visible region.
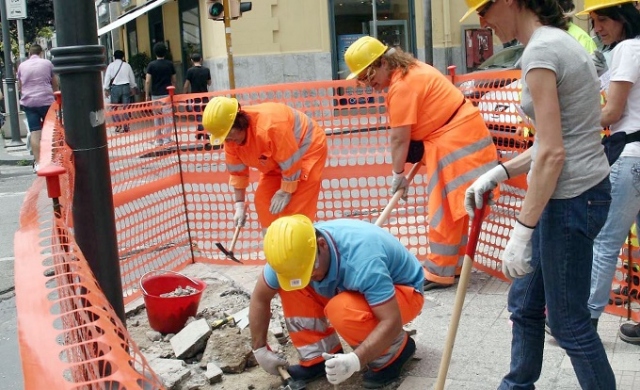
(313, 320)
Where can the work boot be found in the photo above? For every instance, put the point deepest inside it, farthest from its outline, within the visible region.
(308, 373)
(630, 333)
(377, 379)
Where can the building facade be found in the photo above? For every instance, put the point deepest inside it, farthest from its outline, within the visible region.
(281, 41)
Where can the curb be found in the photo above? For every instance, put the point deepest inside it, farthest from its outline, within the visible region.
(16, 162)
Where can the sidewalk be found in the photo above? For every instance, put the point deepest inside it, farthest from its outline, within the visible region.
(481, 352)
(14, 155)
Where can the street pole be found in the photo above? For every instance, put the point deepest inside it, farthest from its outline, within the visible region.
(79, 61)
(10, 80)
(227, 34)
(20, 39)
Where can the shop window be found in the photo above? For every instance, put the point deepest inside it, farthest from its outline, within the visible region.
(388, 20)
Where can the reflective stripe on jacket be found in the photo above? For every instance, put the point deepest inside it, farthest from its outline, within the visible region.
(280, 140)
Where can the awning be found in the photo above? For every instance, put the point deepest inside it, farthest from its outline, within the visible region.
(131, 15)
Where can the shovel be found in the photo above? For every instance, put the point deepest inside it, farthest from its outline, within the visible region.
(291, 384)
(229, 252)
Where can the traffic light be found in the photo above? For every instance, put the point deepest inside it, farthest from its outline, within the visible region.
(215, 9)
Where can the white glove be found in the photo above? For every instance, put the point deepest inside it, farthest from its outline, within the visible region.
(269, 361)
(339, 367)
(279, 201)
(516, 257)
(240, 217)
(399, 182)
(487, 182)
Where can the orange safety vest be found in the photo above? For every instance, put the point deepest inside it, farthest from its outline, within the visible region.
(458, 145)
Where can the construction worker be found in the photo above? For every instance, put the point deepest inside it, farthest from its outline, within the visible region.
(285, 145)
(345, 276)
(427, 110)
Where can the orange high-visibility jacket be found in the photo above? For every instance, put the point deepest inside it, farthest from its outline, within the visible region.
(280, 139)
(458, 145)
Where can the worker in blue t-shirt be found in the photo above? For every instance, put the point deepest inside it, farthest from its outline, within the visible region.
(345, 276)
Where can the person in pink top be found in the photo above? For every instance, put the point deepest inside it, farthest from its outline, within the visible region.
(36, 83)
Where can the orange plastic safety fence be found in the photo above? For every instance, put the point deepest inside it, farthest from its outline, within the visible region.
(173, 203)
(70, 337)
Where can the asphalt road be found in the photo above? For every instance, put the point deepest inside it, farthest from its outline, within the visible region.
(14, 182)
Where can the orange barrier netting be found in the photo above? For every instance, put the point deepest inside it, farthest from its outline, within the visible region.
(70, 337)
(172, 203)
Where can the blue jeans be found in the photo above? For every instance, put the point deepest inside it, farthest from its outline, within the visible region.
(562, 252)
(625, 204)
(120, 94)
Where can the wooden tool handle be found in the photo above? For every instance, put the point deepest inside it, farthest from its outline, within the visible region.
(396, 197)
(236, 233)
(284, 373)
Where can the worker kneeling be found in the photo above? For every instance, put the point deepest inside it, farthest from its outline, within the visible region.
(341, 277)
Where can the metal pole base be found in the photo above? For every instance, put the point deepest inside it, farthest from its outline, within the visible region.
(14, 144)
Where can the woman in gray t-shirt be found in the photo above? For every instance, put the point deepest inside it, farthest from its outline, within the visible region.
(548, 255)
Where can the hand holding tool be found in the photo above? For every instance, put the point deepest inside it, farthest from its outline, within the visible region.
(240, 217)
(484, 184)
(396, 196)
(398, 183)
(269, 360)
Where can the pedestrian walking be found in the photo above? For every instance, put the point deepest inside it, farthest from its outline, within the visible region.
(550, 251)
(284, 144)
(617, 23)
(160, 75)
(427, 111)
(36, 83)
(342, 277)
(198, 80)
(119, 83)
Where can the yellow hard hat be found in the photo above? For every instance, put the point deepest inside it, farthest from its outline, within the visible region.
(473, 7)
(290, 249)
(218, 118)
(593, 5)
(363, 53)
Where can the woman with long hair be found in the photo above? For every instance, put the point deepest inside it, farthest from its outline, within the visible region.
(617, 24)
(549, 253)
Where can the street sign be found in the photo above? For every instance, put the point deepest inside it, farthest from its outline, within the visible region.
(16, 9)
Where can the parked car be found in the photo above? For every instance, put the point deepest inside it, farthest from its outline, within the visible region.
(506, 59)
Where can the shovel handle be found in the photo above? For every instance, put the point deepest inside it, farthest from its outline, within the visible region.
(396, 197)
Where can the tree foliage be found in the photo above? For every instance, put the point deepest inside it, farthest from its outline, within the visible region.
(39, 22)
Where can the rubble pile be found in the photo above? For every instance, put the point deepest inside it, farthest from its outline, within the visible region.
(213, 344)
(180, 292)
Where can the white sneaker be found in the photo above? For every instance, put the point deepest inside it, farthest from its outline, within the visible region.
(35, 167)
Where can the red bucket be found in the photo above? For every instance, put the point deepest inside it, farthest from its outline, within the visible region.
(169, 314)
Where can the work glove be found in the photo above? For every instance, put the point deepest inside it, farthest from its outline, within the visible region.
(339, 367)
(487, 182)
(516, 257)
(399, 182)
(600, 62)
(269, 360)
(279, 201)
(240, 217)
